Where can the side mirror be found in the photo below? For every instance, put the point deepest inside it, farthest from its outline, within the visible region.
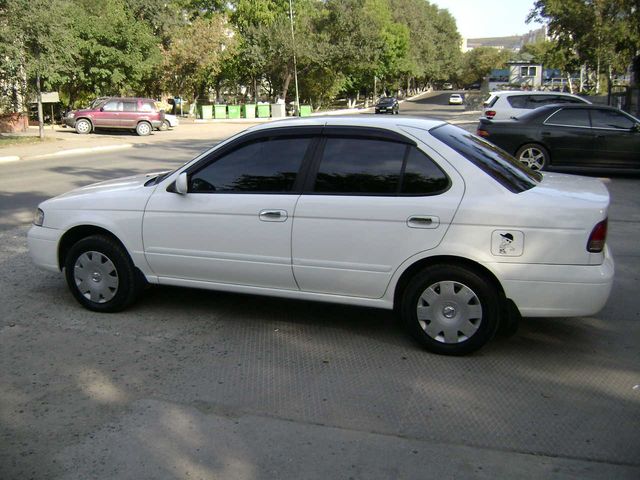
(182, 186)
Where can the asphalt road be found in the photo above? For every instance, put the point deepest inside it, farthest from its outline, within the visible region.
(196, 384)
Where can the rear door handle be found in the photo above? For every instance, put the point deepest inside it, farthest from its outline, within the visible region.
(419, 221)
(273, 215)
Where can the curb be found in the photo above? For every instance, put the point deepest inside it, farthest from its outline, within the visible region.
(10, 158)
(81, 151)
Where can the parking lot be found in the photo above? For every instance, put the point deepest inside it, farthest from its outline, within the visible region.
(199, 384)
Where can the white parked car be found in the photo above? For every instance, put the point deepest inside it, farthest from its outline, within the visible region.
(170, 121)
(455, 99)
(503, 105)
(416, 215)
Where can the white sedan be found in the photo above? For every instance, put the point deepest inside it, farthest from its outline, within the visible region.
(455, 99)
(170, 121)
(407, 214)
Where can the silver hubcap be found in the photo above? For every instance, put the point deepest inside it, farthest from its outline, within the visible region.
(143, 129)
(449, 312)
(83, 126)
(532, 158)
(96, 277)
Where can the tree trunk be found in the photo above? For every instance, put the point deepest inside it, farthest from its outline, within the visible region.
(285, 86)
(570, 83)
(39, 100)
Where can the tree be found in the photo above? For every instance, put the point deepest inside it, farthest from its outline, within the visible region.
(479, 62)
(36, 46)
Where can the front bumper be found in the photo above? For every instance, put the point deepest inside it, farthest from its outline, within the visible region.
(43, 247)
(557, 290)
(70, 122)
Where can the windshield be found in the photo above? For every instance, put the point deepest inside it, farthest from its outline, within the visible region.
(494, 161)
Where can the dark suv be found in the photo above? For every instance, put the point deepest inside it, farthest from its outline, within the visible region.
(138, 114)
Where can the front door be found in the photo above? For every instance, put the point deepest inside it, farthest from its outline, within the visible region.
(617, 140)
(371, 205)
(234, 225)
(109, 114)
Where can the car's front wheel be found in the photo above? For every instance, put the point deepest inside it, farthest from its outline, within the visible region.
(100, 274)
(83, 126)
(451, 310)
(533, 156)
(143, 129)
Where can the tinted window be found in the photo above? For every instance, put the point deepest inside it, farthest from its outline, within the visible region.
(518, 101)
(535, 101)
(359, 165)
(491, 101)
(492, 160)
(572, 117)
(267, 165)
(422, 176)
(610, 119)
(129, 106)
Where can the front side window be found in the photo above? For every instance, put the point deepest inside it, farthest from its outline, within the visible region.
(112, 106)
(360, 166)
(260, 166)
(492, 160)
(570, 117)
(611, 119)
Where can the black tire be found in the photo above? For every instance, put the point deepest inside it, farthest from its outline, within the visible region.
(165, 126)
(534, 156)
(83, 126)
(473, 321)
(143, 129)
(97, 266)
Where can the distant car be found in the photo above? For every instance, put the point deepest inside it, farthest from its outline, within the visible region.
(388, 105)
(447, 86)
(569, 137)
(140, 115)
(502, 105)
(170, 121)
(455, 99)
(416, 216)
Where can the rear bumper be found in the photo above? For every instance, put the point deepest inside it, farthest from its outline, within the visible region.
(557, 290)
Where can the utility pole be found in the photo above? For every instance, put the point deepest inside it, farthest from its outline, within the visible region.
(295, 65)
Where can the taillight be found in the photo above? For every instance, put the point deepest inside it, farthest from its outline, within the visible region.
(482, 133)
(598, 237)
(490, 113)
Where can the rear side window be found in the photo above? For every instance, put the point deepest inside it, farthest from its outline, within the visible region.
(368, 166)
(610, 119)
(518, 101)
(491, 101)
(360, 165)
(260, 166)
(571, 117)
(494, 161)
(147, 107)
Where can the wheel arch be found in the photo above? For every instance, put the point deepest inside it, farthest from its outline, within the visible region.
(537, 143)
(423, 263)
(79, 232)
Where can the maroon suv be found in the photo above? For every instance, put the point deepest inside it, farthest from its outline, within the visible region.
(138, 114)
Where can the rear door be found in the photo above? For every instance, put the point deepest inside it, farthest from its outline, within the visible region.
(617, 141)
(568, 134)
(370, 202)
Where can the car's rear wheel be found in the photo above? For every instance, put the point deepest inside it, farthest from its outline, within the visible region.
(451, 310)
(100, 274)
(533, 156)
(165, 126)
(83, 126)
(143, 129)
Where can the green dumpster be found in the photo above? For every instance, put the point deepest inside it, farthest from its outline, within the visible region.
(220, 111)
(264, 111)
(305, 110)
(234, 111)
(207, 112)
(249, 110)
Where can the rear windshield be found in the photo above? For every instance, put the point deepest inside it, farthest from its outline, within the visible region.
(492, 160)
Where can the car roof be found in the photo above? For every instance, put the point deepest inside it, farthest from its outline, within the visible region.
(534, 92)
(353, 121)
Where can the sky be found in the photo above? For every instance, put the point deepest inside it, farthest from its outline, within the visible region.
(489, 18)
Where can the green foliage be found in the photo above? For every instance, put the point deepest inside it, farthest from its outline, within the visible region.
(479, 62)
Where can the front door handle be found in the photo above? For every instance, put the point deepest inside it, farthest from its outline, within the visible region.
(273, 215)
(419, 221)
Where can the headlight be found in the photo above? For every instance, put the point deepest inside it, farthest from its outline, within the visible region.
(71, 115)
(38, 218)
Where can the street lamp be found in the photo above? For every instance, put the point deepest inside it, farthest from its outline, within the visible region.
(295, 65)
